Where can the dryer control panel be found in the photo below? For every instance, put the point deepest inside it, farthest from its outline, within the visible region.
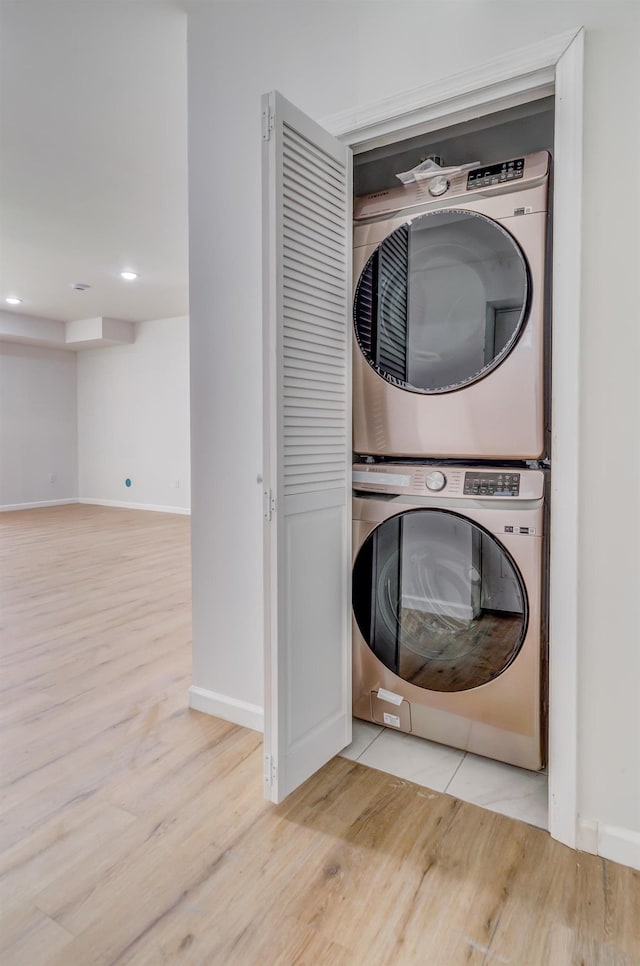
(491, 484)
(487, 180)
(495, 174)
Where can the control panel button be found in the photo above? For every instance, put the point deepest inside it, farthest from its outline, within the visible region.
(495, 174)
(491, 484)
(436, 481)
(438, 186)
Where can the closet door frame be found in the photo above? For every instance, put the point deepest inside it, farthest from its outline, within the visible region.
(551, 66)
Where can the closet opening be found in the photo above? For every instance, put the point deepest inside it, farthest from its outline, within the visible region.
(438, 305)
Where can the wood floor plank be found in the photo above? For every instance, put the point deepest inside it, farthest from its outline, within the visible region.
(29, 936)
(49, 854)
(202, 818)
(135, 831)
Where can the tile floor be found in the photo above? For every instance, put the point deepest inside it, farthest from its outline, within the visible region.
(501, 788)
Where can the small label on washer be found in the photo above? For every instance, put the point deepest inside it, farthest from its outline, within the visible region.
(528, 530)
(389, 696)
(391, 719)
(522, 211)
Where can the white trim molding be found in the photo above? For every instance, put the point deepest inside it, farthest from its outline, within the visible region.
(136, 506)
(10, 507)
(522, 75)
(551, 66)
(620, 845)
(230, 709)
(610, 841)
(565, 446)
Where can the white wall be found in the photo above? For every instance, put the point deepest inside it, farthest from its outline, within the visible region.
(38, 434)
(326, 57)
(133, 419)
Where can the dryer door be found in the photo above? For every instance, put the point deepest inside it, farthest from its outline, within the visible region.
(442, 301)
(439, 600)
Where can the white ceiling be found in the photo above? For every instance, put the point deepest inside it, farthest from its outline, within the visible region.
(93, 157)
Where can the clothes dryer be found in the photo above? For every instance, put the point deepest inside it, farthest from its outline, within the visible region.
(449, 315)
(448, 639)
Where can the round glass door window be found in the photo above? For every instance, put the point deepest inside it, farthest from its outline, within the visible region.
(442, 301)
(439, 601)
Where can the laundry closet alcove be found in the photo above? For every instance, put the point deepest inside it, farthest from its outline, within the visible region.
(307, 514)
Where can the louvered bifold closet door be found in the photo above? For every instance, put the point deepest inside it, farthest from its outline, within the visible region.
(307, 454)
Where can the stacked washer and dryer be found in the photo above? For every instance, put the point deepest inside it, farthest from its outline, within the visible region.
(450, 435)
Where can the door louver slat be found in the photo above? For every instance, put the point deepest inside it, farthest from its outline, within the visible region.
(301, 156)
(308, 200)
(295, 288)
(301, 338)
(303, 448)
(305, 220)
(317, 263)
(299, 185)
(301, 360)
(313, 243)
(321, 161)
(300, 424)
(310, 314)
(326, 290)
(304, 375)
(301, 434)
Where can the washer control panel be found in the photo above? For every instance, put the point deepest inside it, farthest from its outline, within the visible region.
(431, 482)
(495, 174)
(491, 484)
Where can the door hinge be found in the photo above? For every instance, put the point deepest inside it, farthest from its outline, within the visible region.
(267, 123)
(269, 503)
(270, 770)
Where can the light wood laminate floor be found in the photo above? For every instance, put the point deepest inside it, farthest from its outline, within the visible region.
(134, 830)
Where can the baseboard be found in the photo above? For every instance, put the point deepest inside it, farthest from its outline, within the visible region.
(32, 506)
(587, 835)
(610, 841)
(620, 845)
(121, 504)
(230, 709)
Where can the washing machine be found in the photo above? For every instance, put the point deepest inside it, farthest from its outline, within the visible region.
(448, 623)
(449, 315)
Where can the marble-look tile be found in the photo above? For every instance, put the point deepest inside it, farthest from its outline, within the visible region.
(363, 733)
(502, 788)
(415, 759)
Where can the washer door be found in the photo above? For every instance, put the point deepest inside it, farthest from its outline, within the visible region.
(439, 600)
(442, 301)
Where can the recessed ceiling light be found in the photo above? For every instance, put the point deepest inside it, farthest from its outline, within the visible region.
(129, 276)
(79, 286)
(12, 300)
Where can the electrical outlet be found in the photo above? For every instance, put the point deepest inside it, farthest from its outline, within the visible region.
(177, 484)
(52, 478)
